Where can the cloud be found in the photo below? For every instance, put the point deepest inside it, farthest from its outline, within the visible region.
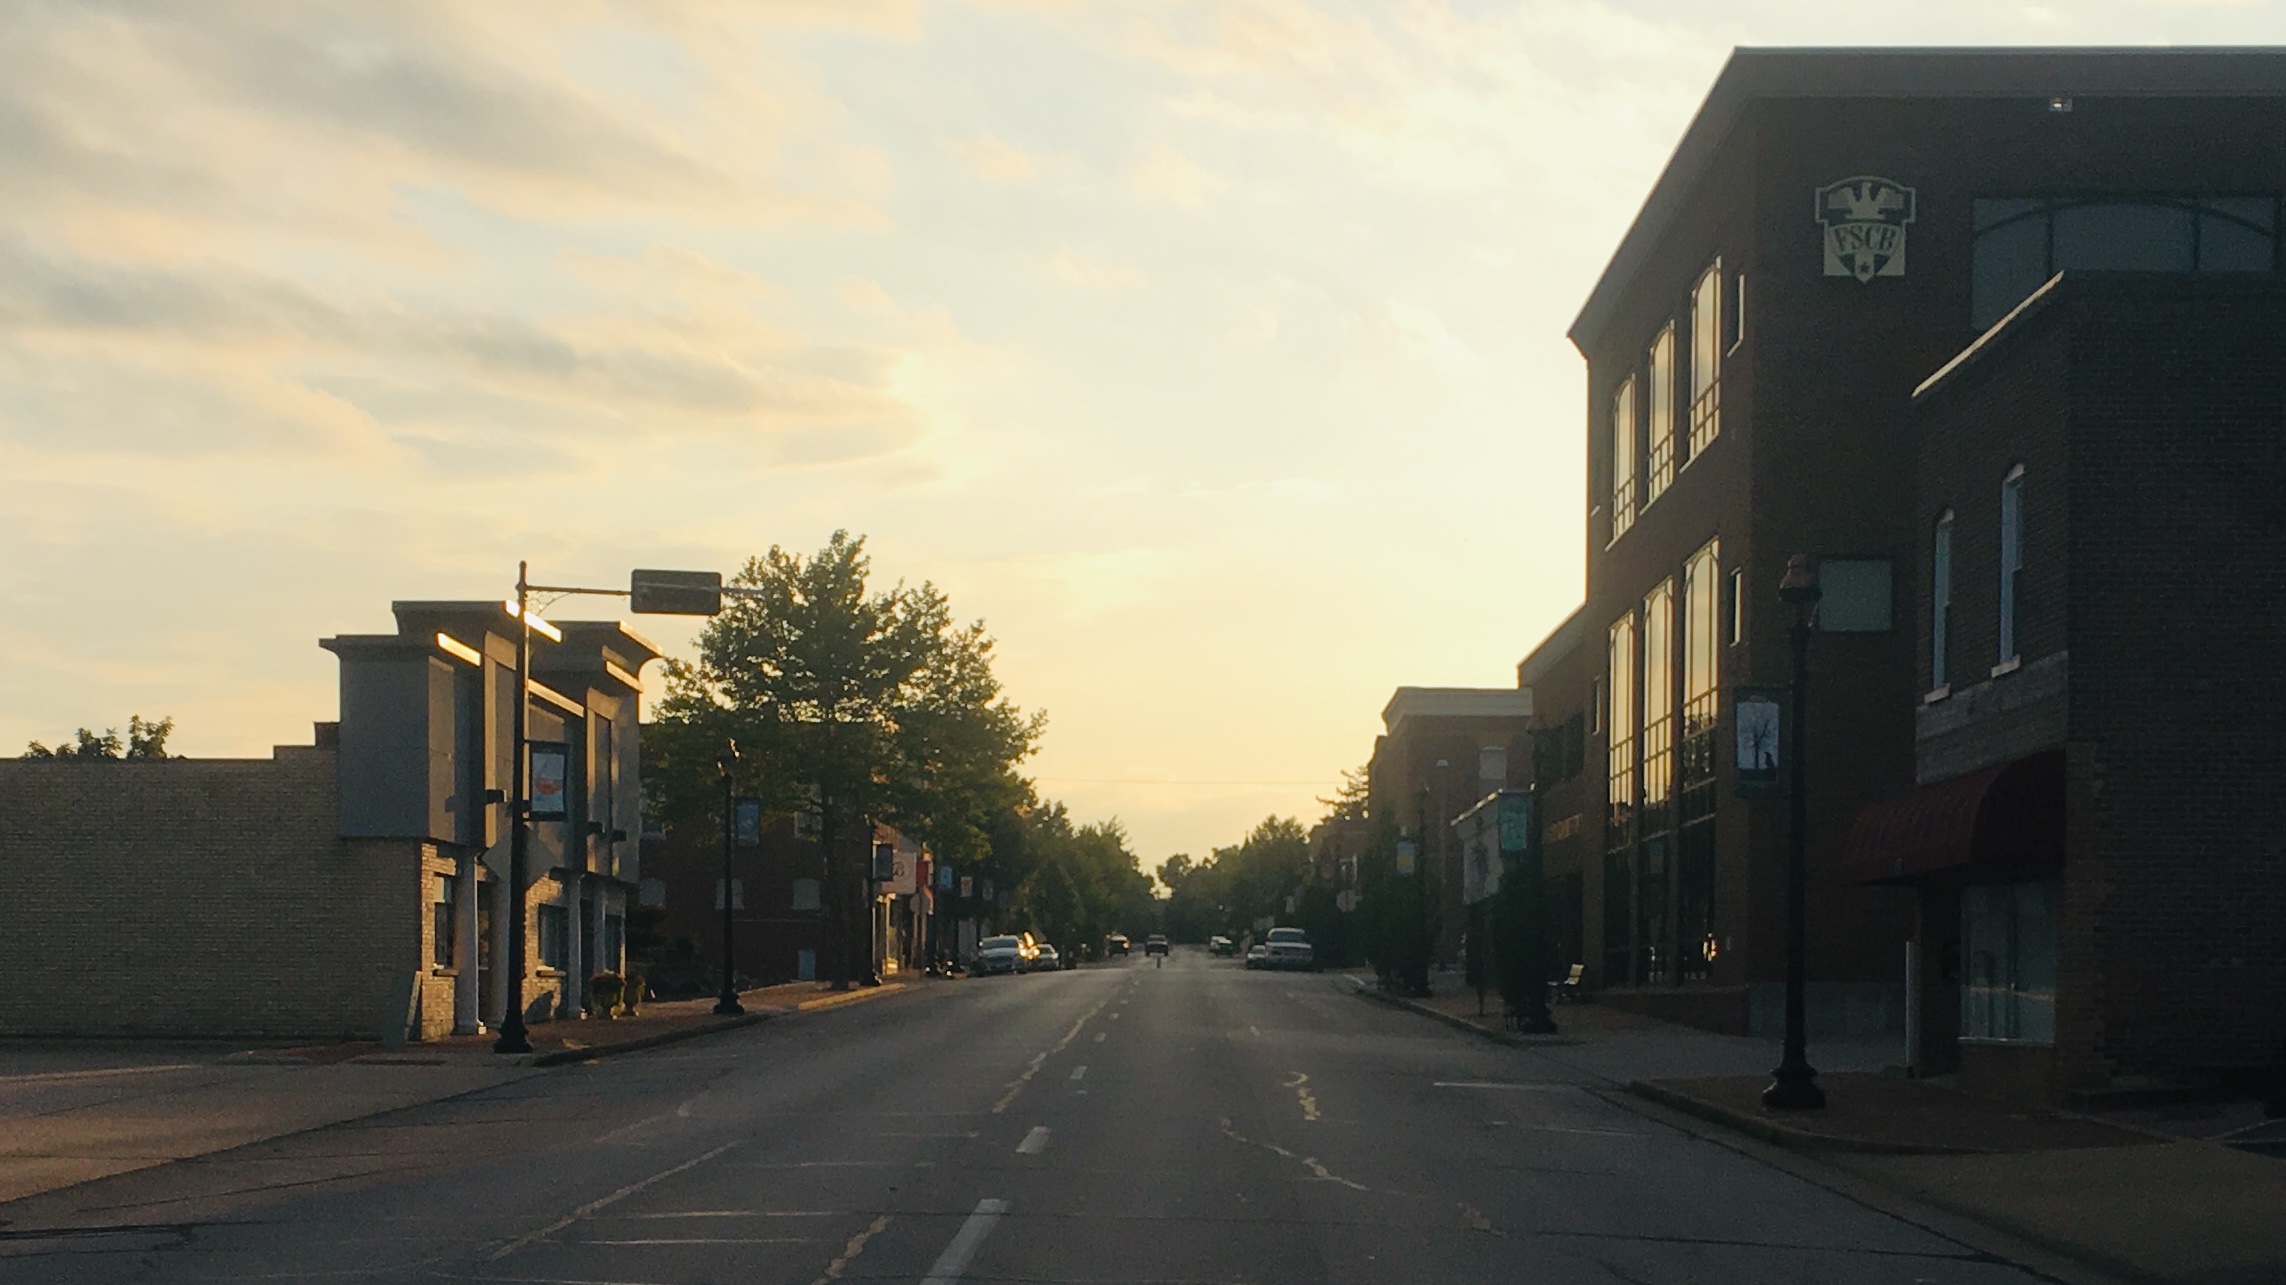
(1165, 174)
(994, 159)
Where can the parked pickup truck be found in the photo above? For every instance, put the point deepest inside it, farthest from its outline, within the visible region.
(1290, 948)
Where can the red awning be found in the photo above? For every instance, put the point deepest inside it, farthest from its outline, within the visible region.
(2011, 815)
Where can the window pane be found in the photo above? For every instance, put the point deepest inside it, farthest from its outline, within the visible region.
(1658, 697)
(2238, 235)
(1989, 214)
(1623, 459)
(1856, 596)
(1660, 398)
(2123, 237)
(2035, 989)
(1940, 600)
(2011, 262)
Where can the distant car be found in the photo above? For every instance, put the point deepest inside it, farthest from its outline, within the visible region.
(1045, 960)
(1116, 943)
(1221, 945)
(1289, 948)
(998, 955)
(1258, 956)
(1155, 944)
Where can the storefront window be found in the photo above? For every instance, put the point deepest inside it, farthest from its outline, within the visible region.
(2008, 955)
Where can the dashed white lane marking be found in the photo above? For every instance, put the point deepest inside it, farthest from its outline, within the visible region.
(1498, 1084)
(1079, 1072)
(965, 1242)
(1254, 1030)
(1034, 1142)
(1099, 1036)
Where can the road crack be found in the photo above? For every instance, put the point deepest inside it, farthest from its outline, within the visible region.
(1016, 1085)
(1300, 1085)
(850, 1251)
(1308, 1162)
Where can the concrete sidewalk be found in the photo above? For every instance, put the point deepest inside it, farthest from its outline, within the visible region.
(2151, 1196)
(73, 1112)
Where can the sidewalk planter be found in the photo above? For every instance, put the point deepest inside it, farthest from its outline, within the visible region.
(604, 990)
(634, 993)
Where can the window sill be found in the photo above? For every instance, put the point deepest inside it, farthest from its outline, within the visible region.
(2008, 666)
(546, 973)
(1943, 692)
(444, 970)
(1996, 1042)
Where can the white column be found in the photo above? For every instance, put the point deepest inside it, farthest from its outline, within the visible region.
(467, 1018)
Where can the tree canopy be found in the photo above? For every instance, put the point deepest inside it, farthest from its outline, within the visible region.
(859, 705)
(1237, 885)
(145, 740)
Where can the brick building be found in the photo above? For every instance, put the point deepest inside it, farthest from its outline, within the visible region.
(2094, 833)
(1833, 227)
(1444, 749)
(778, 917)
(1560, 674)
(355, 887)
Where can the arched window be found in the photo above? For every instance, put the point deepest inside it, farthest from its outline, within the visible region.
(2011, 558)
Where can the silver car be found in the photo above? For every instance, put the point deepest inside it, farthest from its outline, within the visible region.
(998, 955)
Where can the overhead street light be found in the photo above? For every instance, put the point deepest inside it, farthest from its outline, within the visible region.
(650, 592)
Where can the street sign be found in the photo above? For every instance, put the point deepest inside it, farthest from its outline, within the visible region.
(749, 825)
(675, 593)
(1756, 719)
(967, 886)
(551, 768)
(1404, 856)
(945, 878)
(1346, 900)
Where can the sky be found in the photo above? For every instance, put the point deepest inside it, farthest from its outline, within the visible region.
(1211, 351)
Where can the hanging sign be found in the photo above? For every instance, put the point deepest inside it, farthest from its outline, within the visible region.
(749, 823)
(551, 772)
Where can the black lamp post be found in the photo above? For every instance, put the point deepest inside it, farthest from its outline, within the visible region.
(728, 1003)
(513, 1037)
(1794, 1085)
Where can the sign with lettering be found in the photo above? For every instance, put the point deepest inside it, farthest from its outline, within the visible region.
(1865, 220)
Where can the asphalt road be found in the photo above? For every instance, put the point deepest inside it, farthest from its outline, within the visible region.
(1191, 1123)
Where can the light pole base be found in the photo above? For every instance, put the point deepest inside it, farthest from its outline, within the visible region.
(1793, 1089)
(512, 1042)
(728, 1006)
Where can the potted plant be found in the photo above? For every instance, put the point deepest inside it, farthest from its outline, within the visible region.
(633, 992)
(605, 989)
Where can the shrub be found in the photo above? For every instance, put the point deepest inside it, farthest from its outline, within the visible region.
(605, 990)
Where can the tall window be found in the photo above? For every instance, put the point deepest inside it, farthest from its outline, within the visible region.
(555, 937)
(1706, 359)
(1661, 398)
(1737, 605)
(1658, 695)
(1623, 459)
(442, 929)
(1619, 830)
(1695, 945)
(2011, 557)
(1940, 598)
(1656, 821)
(2022, 243)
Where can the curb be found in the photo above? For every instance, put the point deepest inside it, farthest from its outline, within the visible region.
(2025, 1249)
(1779, 1135)
(1508, 1038)
(564, 1057)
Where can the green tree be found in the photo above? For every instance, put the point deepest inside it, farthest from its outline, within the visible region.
(145, 740)
(861, 706)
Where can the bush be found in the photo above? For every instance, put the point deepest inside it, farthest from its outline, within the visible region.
(604, 990)
(634, 992)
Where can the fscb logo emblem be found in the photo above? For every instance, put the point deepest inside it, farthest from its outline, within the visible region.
(1865, 221)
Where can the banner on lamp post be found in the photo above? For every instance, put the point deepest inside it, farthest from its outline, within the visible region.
(551, 781)
(1758, 719)
(749, 822)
